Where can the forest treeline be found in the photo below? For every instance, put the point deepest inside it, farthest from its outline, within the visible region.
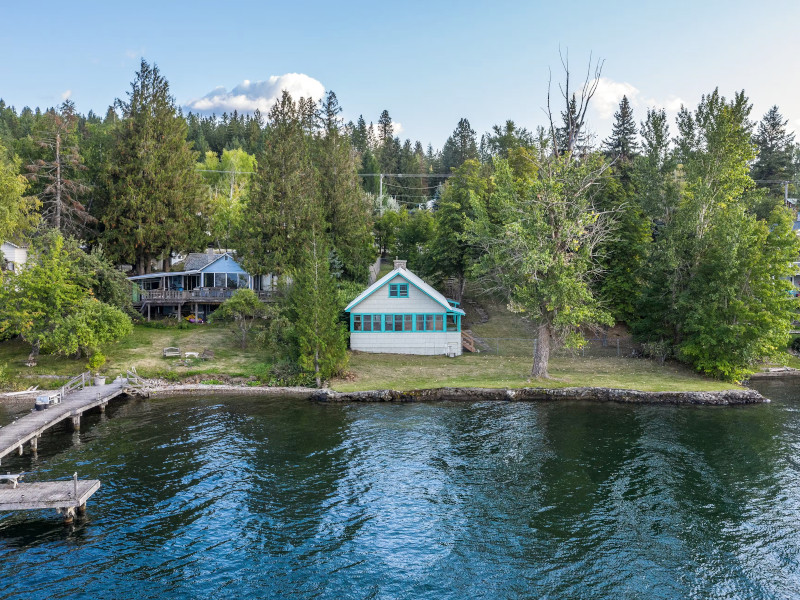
(678, 229)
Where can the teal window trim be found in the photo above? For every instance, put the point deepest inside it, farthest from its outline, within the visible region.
(419, 322)
(398, 290)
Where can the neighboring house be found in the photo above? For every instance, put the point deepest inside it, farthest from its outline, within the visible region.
(402, 314)
(13, 257)
(206, 281)
(795, 279)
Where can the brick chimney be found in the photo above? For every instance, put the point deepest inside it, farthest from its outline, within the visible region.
(399, 264)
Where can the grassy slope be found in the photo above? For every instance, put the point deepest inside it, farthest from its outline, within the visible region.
(395, 371)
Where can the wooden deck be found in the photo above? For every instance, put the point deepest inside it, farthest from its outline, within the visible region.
(29, 428)
(59, 495)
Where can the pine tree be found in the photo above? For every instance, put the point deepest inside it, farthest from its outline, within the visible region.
(459, 147)
(283, 203)
(385, 128)
(344, 207)
(621, 144)
(321, 338)
(156, 200)
(775, 161)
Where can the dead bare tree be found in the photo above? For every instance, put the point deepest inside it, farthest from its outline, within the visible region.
(576, 103)
(61, 207)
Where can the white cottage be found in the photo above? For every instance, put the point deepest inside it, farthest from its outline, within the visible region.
(12, 257)
(402, 314)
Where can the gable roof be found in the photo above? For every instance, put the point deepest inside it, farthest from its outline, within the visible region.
(413, 280)
(195, 262)
(200, 260)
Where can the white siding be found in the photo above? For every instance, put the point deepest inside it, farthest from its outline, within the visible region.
(407, 342)
(14, 255)
(380, 303)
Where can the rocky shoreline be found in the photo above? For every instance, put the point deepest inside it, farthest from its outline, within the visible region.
(594, 394)
(163, 389)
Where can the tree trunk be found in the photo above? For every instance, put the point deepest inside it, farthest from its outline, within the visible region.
(316, 367)
(542, 355)
(34, 355)
(57, 216)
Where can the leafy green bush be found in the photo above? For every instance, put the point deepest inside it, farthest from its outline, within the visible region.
(287, 374)
(96, 362)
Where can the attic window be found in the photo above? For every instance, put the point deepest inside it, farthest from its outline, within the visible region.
(398, 290)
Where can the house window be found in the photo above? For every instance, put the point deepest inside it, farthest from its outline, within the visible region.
(428, 322)
(242, 281)
(233, 281)
(398, 322)
(420, 322)
(388, 322)
(398, 290)
(376, 322)
(408, 322)
(452, 325)
(219, 280)
(208, 280)
(356, 322)
(439, 322)
(367, 322)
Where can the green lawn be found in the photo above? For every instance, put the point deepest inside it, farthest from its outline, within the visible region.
(407, 372)
(143, 349)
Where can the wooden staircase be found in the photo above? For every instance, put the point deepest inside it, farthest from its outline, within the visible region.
(468, 341)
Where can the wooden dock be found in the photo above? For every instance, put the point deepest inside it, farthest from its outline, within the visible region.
(66, 497)
(76, 399)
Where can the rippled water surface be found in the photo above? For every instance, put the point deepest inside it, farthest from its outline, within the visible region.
(266, 498)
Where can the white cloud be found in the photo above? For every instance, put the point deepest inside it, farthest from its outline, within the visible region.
(262, 95)
(66, 95)
(397, 128)
(608, 95)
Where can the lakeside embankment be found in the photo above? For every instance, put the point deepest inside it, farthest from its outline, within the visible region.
(160, 389)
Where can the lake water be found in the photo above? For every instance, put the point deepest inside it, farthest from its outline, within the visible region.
(265, 498)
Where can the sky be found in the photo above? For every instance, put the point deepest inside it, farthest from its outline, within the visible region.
(428, 63)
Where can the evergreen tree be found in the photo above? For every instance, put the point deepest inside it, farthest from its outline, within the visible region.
(345, 209)
(775, 160)
(459, 147)
(622, 144)
(155, 203)
(716, 287)
(283, 204)
(321, 338)
(359, 137)
(385, 128)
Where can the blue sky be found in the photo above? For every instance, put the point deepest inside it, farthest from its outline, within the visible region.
(428, 63)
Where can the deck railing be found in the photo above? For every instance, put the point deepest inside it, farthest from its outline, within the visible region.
(196, 295)
(79, 381)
